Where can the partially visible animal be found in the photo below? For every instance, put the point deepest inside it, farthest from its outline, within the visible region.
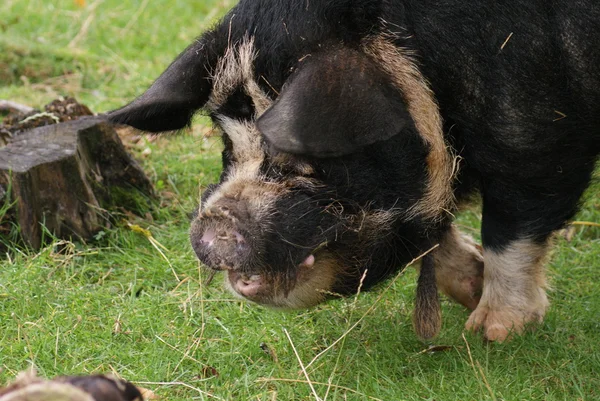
(29, 387)
(353, 129)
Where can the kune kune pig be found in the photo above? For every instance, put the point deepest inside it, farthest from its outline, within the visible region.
(353, 129)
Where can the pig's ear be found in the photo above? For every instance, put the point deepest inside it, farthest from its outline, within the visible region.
(333, 105)
(171, 101)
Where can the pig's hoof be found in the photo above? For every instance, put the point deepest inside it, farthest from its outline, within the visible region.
(496, 326)
(501, 325)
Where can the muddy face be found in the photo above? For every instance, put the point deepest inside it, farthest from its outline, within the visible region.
(290, 230)
(327, 180)
(264, 223)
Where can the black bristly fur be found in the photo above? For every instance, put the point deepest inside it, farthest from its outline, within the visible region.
(517, 83)
(505, 104)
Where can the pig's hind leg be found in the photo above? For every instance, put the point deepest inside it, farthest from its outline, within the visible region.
(459, 268)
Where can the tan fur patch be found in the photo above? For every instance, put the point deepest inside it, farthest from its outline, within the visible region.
(424, 110)
(300, 167)
(459, 268)
(245, 138)
(312, 287)
(249, 157)
(244, 181)
(379, 220)
(236, 69)
(513, 291)
(245, 186)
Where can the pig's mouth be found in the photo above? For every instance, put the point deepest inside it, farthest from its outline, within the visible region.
(315, 278)
(246, 286)
(256, 286)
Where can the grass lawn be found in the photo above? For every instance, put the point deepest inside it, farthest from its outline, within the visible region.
(116, 305)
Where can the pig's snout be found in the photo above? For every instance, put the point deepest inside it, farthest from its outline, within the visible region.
(269, 248)
(219, 241)
(222, 249)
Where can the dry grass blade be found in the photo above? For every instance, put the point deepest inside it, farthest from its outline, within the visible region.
(353, 308)
(485, 381)
(385, 290)
(185, 354)
(477, 374)
(135, 17)
(157, 245)
(506, 41)
(85, 27)
(585, 223)
(302, 366)
(182, 384)
(561, 115)
(82, 32)
(273, 379)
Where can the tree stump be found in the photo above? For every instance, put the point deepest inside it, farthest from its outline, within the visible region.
(65, 176)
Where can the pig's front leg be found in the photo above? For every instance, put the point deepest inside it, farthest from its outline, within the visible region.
(513, 291)
(516, 227)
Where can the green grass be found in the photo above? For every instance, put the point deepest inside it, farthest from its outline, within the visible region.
(115, 305)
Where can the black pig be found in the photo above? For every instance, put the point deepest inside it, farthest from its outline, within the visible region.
(353, 129)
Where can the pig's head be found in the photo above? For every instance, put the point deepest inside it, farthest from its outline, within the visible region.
(335, 174)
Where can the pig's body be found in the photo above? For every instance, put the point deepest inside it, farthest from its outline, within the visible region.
(352, 128)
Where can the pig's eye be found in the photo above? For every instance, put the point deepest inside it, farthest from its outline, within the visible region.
(238, 106)
(227, 154)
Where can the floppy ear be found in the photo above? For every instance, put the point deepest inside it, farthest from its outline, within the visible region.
(171, 101)
(334, 104)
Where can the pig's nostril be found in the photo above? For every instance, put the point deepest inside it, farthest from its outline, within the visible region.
(208, 239)
(239, 237)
